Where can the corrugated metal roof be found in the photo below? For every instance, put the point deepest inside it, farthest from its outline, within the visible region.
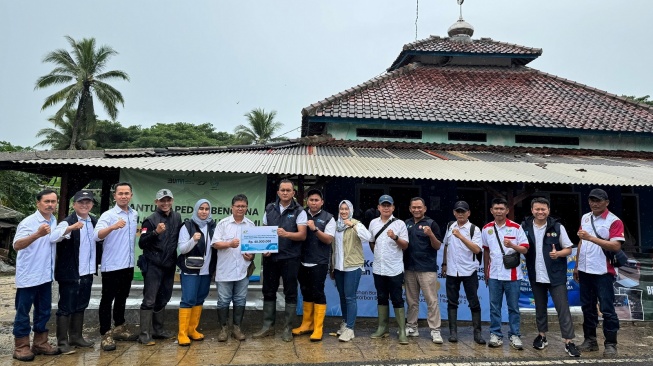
(381, 163)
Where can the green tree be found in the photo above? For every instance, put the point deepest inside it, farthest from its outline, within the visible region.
(84, 73)
(645, 99)
(59, 136)
(19, 189)
(260, 129)
(113, 135)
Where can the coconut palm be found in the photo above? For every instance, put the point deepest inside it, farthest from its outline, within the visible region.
(84, 73)
(261, 127)
(59, 136)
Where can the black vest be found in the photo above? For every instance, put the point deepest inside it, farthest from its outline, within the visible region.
(164, 251)
(420, 256)
(67, 262)
(200, 248)
(313, 250)
(555, 268)
(287, 221)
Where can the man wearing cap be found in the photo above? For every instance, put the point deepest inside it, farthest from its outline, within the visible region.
(290, 219)
(316, 253)
(462, 246)
(546, 261)
(34, 242)
(159, 237)
(117, 227)
(421, 265)
(389, 239)
(600, 231)
(74, 269)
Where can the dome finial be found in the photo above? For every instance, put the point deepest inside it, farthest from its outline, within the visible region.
(461, 31)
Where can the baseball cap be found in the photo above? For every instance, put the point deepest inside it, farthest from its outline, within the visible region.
(83, 195)
(386, 198)
(163, 193)
(461, 205)
(314, 191)
(599, 193)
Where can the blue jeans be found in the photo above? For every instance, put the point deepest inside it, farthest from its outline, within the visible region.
(598, 287)
(194, 290)
(347, 285)
(41, 297)
(74, 295)
(497, 289)
(232, 290)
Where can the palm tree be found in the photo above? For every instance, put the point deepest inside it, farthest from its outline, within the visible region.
(59, 136)
(262, 127)
(85, 69)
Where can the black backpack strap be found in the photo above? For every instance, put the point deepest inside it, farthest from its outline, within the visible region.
(384, 227)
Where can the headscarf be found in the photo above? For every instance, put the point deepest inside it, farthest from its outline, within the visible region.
(340, 225)
(201, 223)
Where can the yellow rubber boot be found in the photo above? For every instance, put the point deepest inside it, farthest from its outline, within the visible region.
(195, 315)
(307, 320)
(318, 322)
(184, 318)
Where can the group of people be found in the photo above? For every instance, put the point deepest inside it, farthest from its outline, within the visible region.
(312, 244)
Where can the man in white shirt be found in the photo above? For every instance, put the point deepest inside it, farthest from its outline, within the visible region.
(35, 245)
(231, 279)
(546, 260)
(74, 270)
(117, 227)
(601, 231)
(389, 239)
(503, 237)
(462, 246)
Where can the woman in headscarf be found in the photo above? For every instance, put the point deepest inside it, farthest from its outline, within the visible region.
(195, 243)
(347, 265)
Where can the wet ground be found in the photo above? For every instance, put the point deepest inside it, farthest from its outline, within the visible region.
(636, 345)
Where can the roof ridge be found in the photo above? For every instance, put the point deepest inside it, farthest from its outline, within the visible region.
(360, 87)
(593, 89)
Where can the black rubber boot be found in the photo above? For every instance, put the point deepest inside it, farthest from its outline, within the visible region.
(75, 336)
(269, 318)
(63, 325)
(290, 312)
(237, 333)
(158, 325)
(146, 328)
(610, 344)
(476, 323)
(453, 325)
(223, 314)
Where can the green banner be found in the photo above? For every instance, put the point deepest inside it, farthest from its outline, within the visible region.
(188, 187)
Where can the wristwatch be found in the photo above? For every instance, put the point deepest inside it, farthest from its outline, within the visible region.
(316, 230)
(396, 238)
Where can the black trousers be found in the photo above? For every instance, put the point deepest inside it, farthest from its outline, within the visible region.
(470, 284)
(389, 288)
(273, 270)
(311, 282)
(561, 303)
(115, 290)
(74, 295)
(157, 287)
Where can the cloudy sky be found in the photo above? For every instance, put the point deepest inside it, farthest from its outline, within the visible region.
(212, 61)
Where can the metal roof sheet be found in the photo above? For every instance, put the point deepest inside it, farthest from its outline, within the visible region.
(381, 163)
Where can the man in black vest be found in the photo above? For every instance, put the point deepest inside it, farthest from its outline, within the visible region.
(159, 236)
(546, 261)
(74, 269)
(316, 254)
(420, 269)
(290, 218)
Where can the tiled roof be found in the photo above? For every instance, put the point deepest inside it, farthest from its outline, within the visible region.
(520, 97)
(436, 45)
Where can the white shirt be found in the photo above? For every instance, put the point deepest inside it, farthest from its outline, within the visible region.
(231, 265)
(388, 256)
(591, 258)
(87, 253)
(540, 267)
(186, 243)
(510, 230)
(461, 261)
(118, 247)
(35, 263)
(339, 255)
